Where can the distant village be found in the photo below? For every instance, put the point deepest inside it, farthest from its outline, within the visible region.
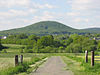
(94, 38)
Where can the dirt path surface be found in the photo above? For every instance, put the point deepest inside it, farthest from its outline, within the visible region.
(53, 66)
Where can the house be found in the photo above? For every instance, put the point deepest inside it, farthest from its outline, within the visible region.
(3, 37)
(96, 38)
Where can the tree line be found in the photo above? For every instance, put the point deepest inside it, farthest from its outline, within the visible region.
(1, 47)
(73, 43)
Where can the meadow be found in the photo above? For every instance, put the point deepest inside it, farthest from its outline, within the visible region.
(77, 64)
(74, 61)
(7, 59)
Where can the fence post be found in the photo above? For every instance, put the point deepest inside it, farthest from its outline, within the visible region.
(21, 59)
(16, 60)
(92, 58)
(86, 56)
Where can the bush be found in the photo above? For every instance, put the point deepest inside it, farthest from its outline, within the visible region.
(61, 48)
(15, 70)
(96, 53)
(68, 49)
(28, 51)
(48, 49)
(21, 68)
(4, 51)
(21, 51)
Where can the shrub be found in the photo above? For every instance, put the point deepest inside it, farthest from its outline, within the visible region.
(28, 51)
(15, 70)
(4, 51)
(21, 50)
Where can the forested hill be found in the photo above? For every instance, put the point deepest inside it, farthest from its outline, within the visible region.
(93, 30)
(48, 27)
(44, 27)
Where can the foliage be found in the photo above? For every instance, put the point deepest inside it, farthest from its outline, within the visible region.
(4, 51)
(42, 28)
(21, 51)
(1, 47)
(78, 66)
(48, 49)
(22, 67)
(73, 43)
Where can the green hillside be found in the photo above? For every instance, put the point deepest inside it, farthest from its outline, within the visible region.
(48, 27)
(44, 27)
(92, 30)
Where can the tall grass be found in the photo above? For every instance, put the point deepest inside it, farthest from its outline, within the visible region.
(22, 67)
(87, 66)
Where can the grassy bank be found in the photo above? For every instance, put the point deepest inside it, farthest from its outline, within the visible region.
(78, 66)
(22, 67)
(7, 61)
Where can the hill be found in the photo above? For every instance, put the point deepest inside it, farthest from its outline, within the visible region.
(92, 30)
(48, 27)
(44, 27)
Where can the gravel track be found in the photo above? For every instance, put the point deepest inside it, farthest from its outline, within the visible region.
(53, 66)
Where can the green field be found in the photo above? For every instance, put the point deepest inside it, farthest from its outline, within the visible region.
(13, 48)
(7, 60)
(75, 62)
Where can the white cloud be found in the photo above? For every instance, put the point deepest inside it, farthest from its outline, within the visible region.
(86, 20)
(24, 3)
(79, 13)
(49, 6)
(77, 20)
(42, 6)
(72, 13)
(15, 23)
(16, 13)
(83, 13)
(80, 4)
(45, 16)
(81, 20)
(12, 3)
(83, 5)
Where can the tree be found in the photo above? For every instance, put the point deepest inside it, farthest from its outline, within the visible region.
(47, 49)
(69, 41)
(61, 48)
(74, 48)
(21, 36)
(33, 37)
(45, 41)
(0, 45)
(69, 49)
(28, 49)
(98, 46)
(77, 48)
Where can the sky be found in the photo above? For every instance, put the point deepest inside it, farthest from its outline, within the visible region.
(78, 14)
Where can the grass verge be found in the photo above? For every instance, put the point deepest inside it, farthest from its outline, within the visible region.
(78, 65)
(21, 68)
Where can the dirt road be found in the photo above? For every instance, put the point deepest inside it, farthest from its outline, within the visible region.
(53, 66)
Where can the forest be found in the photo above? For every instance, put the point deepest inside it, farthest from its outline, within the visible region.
(73, 43)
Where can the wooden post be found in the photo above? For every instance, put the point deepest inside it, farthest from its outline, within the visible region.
(86, 56)
(16, 60)
(21, 59)
(92, 58)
